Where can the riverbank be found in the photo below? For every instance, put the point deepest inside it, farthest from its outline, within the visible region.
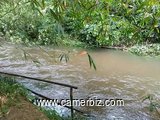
(115, 70)
(14, 105)
(152, 50)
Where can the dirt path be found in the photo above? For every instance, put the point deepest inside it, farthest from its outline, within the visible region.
(24, 111)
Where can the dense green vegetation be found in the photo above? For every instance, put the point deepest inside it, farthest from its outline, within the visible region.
(146, 50)
(81, 23)
(94, 22)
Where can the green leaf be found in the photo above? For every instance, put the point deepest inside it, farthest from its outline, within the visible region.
(43, 4)
(36, 3)
(39, 11)
(54, 15)
(95, 68)
(61, 57)
(64, 56)
(36, 62)
(25, 55)
(91, 62)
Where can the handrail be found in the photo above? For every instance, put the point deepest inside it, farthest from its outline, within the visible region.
(45, 97)
(56, 83)
(42, 80)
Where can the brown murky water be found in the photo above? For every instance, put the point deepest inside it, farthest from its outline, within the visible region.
(119, 75)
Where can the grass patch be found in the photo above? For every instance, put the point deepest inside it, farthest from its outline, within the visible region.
(15, 101)
(146, 50)
(51, 114)
(10, 94)
(154, 104)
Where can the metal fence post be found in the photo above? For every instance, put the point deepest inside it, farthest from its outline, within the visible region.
(71, 98)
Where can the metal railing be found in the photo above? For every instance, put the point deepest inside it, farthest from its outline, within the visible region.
(51, 82)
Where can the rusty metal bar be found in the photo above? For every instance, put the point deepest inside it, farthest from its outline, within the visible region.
(38, 79)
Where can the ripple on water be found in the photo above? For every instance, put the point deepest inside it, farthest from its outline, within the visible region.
(118, 76)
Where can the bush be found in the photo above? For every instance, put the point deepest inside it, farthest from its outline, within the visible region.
(146, 50)
(96, 23)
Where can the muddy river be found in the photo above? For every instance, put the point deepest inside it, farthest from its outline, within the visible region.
(119, 75)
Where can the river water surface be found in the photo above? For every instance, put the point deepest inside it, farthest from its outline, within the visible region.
(119, 75)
